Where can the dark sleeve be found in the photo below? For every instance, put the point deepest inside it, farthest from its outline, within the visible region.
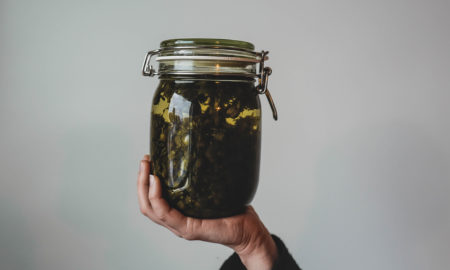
(283, 262)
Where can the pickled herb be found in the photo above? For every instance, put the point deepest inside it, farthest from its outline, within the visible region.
(205, 144)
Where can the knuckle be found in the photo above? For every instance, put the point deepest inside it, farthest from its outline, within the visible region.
(143, 211)
(161, 216)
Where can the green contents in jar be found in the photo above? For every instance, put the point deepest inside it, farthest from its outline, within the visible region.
(205, 143)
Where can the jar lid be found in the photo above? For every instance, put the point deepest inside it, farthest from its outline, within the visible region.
(229, 43)
(205, 56)
(207, 49)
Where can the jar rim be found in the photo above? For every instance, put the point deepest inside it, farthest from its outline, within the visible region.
(213, 42)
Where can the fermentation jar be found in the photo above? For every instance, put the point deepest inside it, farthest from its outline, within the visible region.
(205, 135)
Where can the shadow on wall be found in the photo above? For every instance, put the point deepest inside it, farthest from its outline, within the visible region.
(382, 202)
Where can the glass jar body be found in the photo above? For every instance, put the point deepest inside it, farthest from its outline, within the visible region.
(205, 143)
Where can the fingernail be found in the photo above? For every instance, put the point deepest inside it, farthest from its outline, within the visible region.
(152, 180)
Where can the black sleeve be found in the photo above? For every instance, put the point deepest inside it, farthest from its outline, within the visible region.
(283, 262)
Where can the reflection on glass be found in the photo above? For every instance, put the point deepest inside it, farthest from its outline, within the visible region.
(178, 141)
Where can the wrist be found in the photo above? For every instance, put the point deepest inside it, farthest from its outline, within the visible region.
(259, 253)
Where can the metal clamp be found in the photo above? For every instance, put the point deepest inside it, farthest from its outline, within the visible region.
(264, 73)
(147, 69)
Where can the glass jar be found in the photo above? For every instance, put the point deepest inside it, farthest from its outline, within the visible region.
(205, 136)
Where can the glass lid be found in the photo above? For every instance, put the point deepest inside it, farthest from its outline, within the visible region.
(214, 42)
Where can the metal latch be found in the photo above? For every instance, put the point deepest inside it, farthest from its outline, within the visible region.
(264, 73)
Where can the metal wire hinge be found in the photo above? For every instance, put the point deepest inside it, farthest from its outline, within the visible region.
(147, 69)
(264, 73)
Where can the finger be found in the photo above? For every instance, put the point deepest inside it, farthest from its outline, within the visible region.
(166, 214)
(143, 186)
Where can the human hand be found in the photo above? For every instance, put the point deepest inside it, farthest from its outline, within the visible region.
(244, 233)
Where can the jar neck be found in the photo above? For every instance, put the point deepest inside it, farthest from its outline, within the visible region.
(207, 67)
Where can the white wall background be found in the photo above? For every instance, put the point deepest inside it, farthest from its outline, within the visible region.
(355, 174)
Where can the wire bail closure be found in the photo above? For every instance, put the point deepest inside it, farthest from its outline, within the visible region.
(147, 69)
(264, 73)
(263, 76)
